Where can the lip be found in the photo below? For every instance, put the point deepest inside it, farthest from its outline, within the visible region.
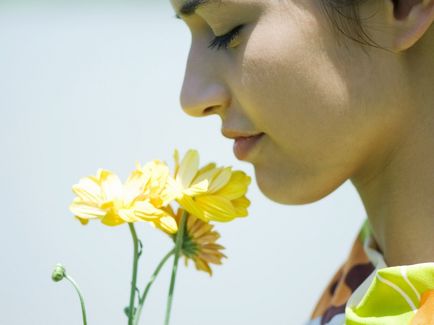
(243, 146)
(231, 134)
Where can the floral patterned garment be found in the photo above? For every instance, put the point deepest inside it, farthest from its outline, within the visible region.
(366, 291)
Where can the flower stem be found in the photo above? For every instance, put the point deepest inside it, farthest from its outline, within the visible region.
(134, 277)
(83, 308)
(148, 286)
(178, 247)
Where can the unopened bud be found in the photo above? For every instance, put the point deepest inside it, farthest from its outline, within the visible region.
(59, 273)
(127, 311)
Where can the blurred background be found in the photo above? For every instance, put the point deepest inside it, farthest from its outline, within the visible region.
(90, 84)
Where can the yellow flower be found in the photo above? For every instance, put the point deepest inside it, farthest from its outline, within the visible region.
(143, 197)
(158, 184)
(210, 193)
(199, 242)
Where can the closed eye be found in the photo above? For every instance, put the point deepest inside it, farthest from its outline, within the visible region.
(225, 40)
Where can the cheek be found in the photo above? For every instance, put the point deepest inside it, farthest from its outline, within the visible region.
(291, 92)
(310, 103)
(291, 89)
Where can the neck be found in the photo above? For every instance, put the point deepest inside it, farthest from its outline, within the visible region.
(397, 189)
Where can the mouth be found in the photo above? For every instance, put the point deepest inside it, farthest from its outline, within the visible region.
(244, 146)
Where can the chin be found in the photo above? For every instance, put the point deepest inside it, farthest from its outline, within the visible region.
(292, 190)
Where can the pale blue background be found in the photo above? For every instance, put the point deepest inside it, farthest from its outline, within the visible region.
(89, 86)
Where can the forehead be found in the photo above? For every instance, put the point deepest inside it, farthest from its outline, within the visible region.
(188, 6)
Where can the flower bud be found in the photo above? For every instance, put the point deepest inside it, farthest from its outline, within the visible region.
(127, 311)
(59, 273)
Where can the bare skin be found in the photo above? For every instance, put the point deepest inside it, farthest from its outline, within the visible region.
(328, 112)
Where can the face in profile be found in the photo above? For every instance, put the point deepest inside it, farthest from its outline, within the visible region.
(309, 109)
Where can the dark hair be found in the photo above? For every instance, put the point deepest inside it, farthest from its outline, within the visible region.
(345, 18)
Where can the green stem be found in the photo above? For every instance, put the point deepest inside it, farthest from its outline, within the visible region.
(178, 247)
(83, 308)
(134, 277)
(148, 286)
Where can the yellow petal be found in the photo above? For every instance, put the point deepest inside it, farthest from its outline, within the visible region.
(221, 179)
(209, 258)
(85, 211)
(146, 211)
(203, 229)
(176, 159)
(83, 221)
(88, 190)
(193, 224)
(106, 205)
(167, 224)
(111, 185)
(171, 192)
(205, 172)
(236, 187)
(213, 248)
(160, 189)
(216, 208)
(112, 219)
(188, 168)
(197, 189)
(128, 215)
(241, 206)
(207, 238)
(201, 265)
(189, 204)
(134, 187)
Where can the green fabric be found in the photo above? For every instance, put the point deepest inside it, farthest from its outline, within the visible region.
(365, 231)
(393, 297)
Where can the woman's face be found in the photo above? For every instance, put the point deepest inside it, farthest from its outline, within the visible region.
(322, 105)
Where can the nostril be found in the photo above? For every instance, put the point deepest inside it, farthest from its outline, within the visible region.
(209, 110)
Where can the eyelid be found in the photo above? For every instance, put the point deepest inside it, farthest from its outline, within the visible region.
(225, 39)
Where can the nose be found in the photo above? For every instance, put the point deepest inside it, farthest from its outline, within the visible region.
(203, 100)
(203, 93)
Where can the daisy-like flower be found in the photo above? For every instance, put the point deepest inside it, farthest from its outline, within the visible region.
(199, 243)
(210, 193)
(143, 197)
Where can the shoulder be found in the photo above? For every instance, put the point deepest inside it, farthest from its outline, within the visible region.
(391, 295)
(396, 295)
(366, 291)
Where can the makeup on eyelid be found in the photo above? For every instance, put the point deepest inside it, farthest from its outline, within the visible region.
(228, 40)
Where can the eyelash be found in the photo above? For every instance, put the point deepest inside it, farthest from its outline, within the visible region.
(224, 40)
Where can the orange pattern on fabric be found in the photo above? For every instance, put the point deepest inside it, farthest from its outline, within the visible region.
(349, 276)
(425, 314)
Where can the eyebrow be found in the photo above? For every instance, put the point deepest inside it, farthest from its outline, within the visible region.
(191, 6)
